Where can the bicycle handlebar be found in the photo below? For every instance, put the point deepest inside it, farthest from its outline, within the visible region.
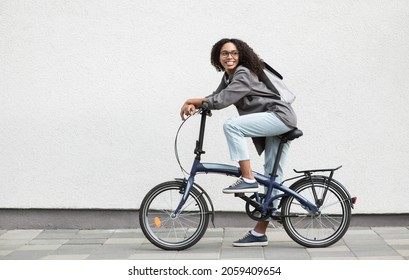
(205, 109)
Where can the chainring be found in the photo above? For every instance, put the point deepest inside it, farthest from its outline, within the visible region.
(254, 213)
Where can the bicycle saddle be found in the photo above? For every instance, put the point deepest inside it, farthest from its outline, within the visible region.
(292, 134)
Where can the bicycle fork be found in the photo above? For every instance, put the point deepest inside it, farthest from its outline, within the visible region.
(188, 184)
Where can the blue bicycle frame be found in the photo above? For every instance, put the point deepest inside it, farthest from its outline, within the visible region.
(230, 170)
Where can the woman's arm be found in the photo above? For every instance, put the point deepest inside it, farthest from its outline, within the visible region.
(190, 106)
(225, 95)
(238, 88)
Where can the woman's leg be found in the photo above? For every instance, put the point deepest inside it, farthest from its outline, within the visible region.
(252, 125)
(246, 170)
(270, 154)
(256, 125)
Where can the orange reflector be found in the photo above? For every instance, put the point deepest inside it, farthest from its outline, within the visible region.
(157, 222)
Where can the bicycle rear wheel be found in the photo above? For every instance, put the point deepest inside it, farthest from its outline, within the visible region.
(315, 231)
(173, 233)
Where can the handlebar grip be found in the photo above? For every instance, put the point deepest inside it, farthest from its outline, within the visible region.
(205, 105)
(205, 108)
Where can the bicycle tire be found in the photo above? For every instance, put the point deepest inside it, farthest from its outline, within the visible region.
(324, 229)
(178, 233)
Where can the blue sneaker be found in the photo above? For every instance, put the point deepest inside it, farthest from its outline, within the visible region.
(250, 240)
(242, 187)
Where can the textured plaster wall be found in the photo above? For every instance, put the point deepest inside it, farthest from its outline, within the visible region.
(90, 93)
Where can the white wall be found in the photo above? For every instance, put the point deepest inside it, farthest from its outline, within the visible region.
(90, 93)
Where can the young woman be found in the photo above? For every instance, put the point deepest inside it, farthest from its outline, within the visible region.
(262, 116)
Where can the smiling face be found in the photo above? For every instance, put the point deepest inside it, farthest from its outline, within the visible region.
(229, 58)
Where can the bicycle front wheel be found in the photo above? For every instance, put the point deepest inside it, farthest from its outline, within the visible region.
(324, 229)
(173, 233)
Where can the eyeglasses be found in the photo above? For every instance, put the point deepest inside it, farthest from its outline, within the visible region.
(232, 53)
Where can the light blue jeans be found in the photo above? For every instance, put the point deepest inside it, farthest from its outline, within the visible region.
(257, 125)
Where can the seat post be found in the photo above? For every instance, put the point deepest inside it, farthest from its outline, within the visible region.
(284, 138)
(278, 157)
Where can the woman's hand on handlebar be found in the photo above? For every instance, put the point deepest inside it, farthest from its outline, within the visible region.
(187, 110)
(190, 106)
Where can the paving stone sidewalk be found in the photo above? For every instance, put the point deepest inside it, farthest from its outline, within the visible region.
(366, 243)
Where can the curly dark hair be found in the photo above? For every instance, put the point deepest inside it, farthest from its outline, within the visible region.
(247, 57)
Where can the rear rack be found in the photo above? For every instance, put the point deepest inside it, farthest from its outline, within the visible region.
(307, 173)
(317, 170)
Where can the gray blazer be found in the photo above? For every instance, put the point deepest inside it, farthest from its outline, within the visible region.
(250, 95)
